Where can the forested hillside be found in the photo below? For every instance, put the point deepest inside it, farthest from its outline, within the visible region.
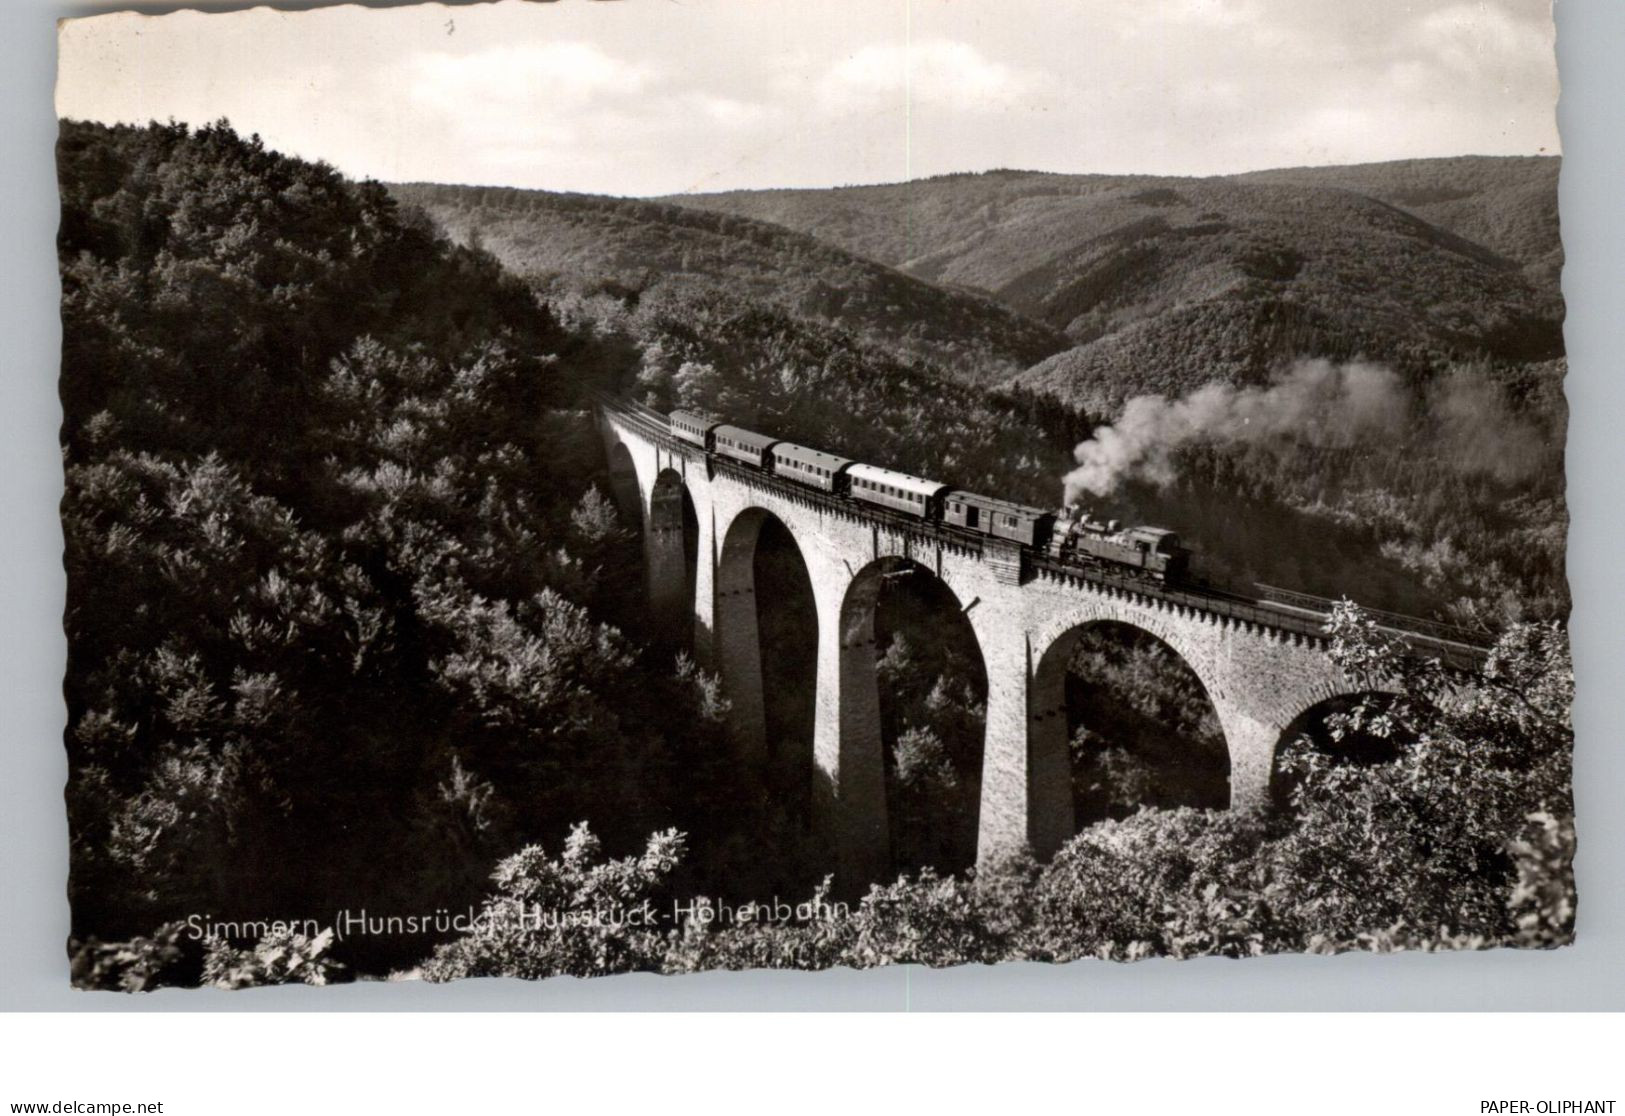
(337, 568)
(1163, 284)
(1506, 204)
(575, 246)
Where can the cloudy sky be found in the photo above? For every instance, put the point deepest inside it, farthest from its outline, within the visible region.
(646, 97)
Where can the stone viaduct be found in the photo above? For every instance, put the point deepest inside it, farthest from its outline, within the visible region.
(1260, 671)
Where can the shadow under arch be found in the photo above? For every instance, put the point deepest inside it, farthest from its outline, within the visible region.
(672, 551)
(623, 485)
(766, 639)
(1118, 720)
(913, 714)
(1312, 733)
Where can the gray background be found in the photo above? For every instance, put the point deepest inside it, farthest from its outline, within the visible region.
(1588, 976)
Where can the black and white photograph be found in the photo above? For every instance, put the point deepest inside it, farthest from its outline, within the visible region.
(575, 489)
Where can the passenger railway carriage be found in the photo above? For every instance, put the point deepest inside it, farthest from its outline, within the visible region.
(693, 428)
(1069, 536)
(810, 467)
(744, 445)
(898, 491)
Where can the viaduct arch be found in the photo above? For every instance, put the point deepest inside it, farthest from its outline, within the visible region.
(671, 550)
(1260, 670)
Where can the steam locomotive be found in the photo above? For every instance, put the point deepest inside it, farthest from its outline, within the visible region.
(1069, 535)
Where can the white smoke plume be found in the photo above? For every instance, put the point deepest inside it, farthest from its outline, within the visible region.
(1316, 402)
(1478, 430)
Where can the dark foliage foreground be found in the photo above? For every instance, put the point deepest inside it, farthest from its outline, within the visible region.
(1464, 841)
(329, 560)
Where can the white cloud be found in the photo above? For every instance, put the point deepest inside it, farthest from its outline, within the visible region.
(561, 73)
(941, 72)
(729, 112)
(1202, 13)
(1472, 39)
